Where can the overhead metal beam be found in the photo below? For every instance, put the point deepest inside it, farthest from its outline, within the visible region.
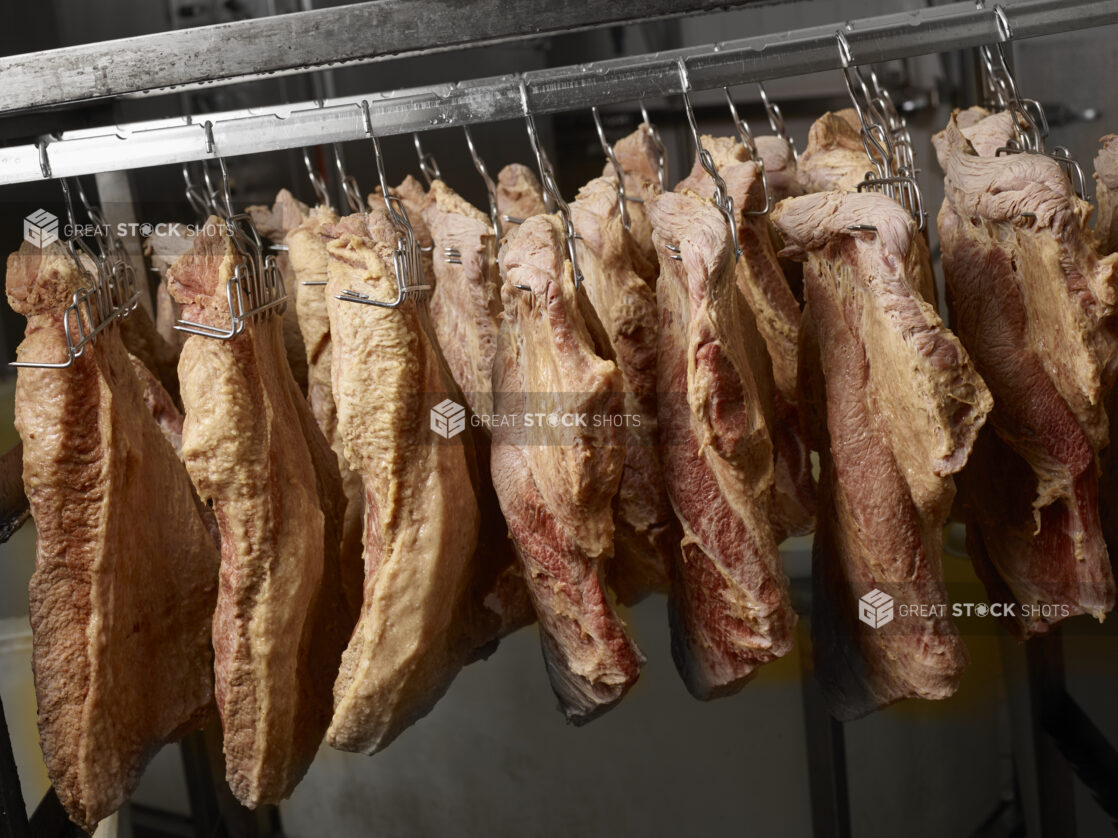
(883, 38)
(291, 43)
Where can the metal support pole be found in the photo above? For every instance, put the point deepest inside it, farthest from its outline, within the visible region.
(826, 753)
(1034, 676)
(13, 815)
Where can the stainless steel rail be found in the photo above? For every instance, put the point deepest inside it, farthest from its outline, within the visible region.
(882, 38)
(290, 43)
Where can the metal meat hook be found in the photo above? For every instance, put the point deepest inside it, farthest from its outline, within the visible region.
(490, 186)
(427, 164)
(661, 149)
(776, 120)
(550, 186)
(746, 137)
(256, 288)
(607, 149)
(406, 258)
(722, 197)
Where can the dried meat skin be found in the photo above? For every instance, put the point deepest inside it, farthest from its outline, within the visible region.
(1106, 178)
(519, 196)
(775, 314)
(1022, 272)
(306, 252)
(899, 404)
(835, 157)
(646, 536)
(1000, 488)
(162, 249)
(415, 631)
(729, 605)
(640, 162)
(285, 601)
(556, 488)
(169, 418)
(1106, 234)
(466, 302)
(142, 339)
(1001, 523)
(123, 590)
(465, 316)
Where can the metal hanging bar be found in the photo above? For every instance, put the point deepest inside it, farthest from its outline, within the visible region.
(882, 38)
(242, 50)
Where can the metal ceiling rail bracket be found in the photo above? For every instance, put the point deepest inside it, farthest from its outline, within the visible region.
(290, 43)
(882, 38)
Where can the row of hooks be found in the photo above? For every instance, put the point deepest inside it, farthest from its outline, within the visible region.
(257, 290)
(1030, 126)
(257, 286)
(407, 267)
(885, 137)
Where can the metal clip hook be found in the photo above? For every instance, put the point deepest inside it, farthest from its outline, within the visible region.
(195, 194)
(722, 197)
(490, 186)
(407, 261)
(550, 185)
(875, 134)
(44, 161)
(348, 182)
(1030, 125)
(776, 120)
(1000, 81)
(746, 137)
(885, 138)
(110, 295)
(427, 165)
(99, 290)
(607, 149)
(256, 289)
(220, 201)
(318, 182)
(317, 179)
(661, 149)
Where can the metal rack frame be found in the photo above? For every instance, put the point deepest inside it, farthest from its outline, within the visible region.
(1059, 741)
(243, 50)
(882, 38)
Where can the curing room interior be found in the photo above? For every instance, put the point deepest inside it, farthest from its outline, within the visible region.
(430, 418)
